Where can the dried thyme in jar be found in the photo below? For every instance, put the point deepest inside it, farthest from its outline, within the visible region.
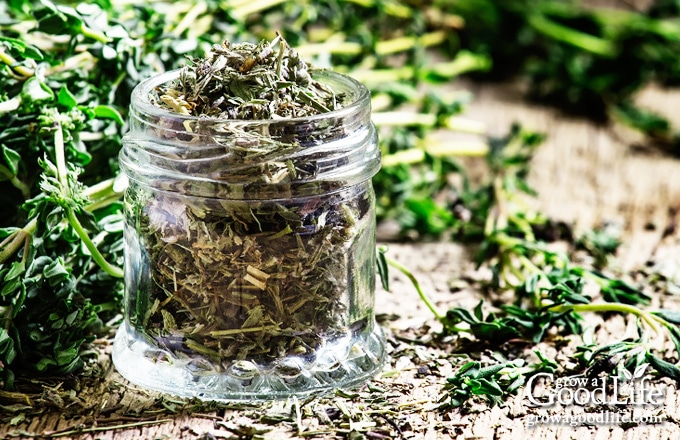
(250, 229)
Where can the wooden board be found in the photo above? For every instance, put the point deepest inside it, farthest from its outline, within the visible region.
(585, 175)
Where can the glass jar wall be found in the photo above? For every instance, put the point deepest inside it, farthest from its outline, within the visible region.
(250, 250)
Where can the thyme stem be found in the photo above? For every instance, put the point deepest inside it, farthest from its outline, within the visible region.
(568, 35)
(440, 317)
(18, 184)
(103, 195)
(13, 64)
(62, 176)
(95, 35)
(648, 318)
(13, 242)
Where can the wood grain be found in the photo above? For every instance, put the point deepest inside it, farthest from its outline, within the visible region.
(584, 174)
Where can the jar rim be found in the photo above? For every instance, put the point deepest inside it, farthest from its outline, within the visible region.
(361, 97)
(200, 155)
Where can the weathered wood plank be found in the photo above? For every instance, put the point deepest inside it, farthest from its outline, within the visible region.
(584, 174)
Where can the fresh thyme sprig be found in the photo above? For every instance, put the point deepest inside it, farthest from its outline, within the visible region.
(547, 287)
(494, 382)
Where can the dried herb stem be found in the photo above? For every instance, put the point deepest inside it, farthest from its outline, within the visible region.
(83, 60)
(402, 44)
(237, 331)
(15, 241)
(383, 47)
(189, 18)
(435, 148)
(404, 118)
(12, 396)
(81, 430)
(391, 7)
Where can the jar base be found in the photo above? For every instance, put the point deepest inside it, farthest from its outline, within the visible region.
(343, 363)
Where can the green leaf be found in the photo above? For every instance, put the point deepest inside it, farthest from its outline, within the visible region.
(26, 50)
(664, 368)
(469, 369)
(530, 287)
(33, 53)
(490, 370)
(55, 272)
(108, 112)
(58, 20)
(457, 401)
(65, 357)
(671, 316)
(432, 218)
(35, 91)
(485, 387)
(383, 267)
(459, 314)
(71, 317)
(16, 270)
(7, 349)
(621, 291)
(647, 121)
(239, 89)
(44, 363)
(478, 311)
(516, 384)
(12, 159)
(675, 336)
(10, 287)
(545, 364)
(494, 332)
(66, 98)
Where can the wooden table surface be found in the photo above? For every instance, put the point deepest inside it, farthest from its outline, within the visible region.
(584, 174)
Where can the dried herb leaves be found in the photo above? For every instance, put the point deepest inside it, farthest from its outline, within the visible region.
(234, 281)
(248, 81)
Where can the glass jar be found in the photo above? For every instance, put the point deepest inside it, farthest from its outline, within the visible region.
(250, 250)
